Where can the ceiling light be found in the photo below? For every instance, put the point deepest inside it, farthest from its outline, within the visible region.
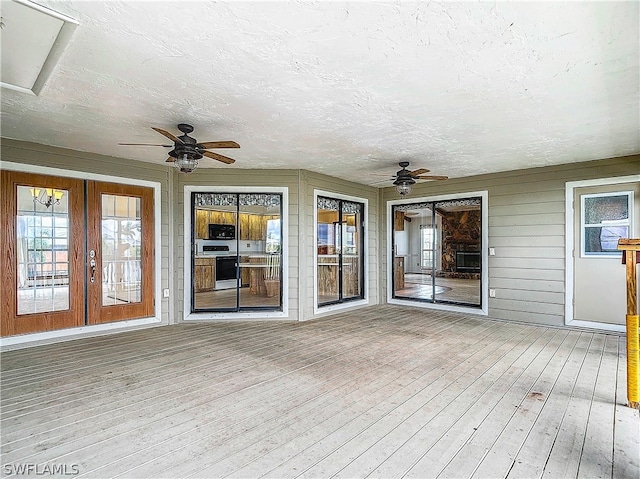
(186, 164)
(46, 196)
(404, 185)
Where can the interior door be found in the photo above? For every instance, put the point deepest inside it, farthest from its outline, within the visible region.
(48, 234)
(120, 252)
(602, 214)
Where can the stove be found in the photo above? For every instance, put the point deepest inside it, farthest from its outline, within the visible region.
(217, 250)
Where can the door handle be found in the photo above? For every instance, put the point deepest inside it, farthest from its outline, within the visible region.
(92, 265)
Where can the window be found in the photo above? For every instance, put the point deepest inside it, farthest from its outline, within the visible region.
(605, 219)
(428, 245)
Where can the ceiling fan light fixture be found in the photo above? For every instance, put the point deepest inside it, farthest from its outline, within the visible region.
(186, 163)
(404, 185)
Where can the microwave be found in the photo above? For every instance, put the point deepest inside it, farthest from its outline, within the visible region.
(222, 232)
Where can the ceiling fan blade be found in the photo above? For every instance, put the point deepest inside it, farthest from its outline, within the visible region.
(218, 144)
(418, 172)
(221, 158)
(431, 177)
(171, 159)
(168, 135)
(144, 144)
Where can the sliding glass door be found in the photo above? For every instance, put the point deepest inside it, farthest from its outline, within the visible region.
(437, 251)
(340, 247)
(236, 252)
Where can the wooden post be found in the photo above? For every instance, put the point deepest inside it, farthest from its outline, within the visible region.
(630, 249)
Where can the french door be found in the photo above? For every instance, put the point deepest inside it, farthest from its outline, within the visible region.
(77, 252)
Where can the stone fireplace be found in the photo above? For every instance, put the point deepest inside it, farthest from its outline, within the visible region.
(461, 235)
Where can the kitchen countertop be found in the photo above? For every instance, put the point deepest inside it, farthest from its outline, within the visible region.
(228, 253)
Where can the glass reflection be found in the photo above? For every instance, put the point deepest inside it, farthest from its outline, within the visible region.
(42, 250)
(121, 250)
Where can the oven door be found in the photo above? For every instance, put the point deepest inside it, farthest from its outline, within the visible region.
(226, 272)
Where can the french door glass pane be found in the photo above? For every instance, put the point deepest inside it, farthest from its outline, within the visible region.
(121, 250)
(42, 250)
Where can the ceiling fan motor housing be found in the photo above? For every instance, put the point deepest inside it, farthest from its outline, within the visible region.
(404, 180)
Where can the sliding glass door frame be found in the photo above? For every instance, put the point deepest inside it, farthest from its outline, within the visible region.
(234, 205)
(361, 298)
(188, 279)
(482, 308)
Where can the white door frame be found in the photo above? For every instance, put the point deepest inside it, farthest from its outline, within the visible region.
(484, 310)
(187, 315)
(570, 212)
(93, 329)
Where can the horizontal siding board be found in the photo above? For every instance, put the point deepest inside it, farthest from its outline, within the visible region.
(527, 263)
(527, 306)
(514, 199)
(527, 220)
(537, 318)
(544, 208)
(528, 252)
(536, 274)
(527, 284)
(529, 295)
(531, 230)
(527, 241)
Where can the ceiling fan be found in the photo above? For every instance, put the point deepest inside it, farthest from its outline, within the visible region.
(186, 151)
(405, 179)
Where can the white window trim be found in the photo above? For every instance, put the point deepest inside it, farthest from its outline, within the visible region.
(484, 310)
(88, 330)
(227, 316)
(628, 222)
(365, 256)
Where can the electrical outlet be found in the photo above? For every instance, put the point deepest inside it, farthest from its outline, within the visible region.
(165, 293)
(492, 251)
(492, 293)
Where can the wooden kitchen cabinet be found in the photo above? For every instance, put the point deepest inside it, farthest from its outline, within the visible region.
(398, 272)
(245, 273)
(398, 221)
(202, 224)
(204, 274)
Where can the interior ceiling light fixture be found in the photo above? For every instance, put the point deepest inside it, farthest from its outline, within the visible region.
(46, 196)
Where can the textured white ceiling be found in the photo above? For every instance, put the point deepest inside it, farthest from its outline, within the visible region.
(346, 89)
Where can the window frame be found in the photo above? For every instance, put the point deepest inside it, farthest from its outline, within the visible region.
(628, 223)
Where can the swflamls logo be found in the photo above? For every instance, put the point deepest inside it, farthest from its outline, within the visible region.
(46, 469)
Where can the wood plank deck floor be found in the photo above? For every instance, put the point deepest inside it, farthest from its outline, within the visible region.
(386, 391)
